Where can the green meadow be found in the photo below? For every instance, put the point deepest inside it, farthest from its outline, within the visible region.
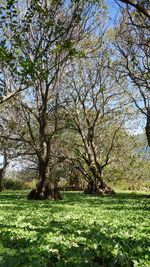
(80, 230)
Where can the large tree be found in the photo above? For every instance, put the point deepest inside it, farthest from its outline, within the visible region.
(132, 64)
(95, 112)
(42, 39)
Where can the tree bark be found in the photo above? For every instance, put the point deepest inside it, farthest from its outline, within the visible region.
(43, 191)
(43, 165)
(1, 179)
(2, 170)
(43, 169)
(44, 143)
(147, 128)
(96, 184)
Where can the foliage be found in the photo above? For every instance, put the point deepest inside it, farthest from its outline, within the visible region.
(96, 114)
(132, 42)
(42, 38)
(57, 60)
(80, 230)
(131, 170)
(16, 184)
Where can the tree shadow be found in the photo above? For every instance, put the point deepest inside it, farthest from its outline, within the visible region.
(69, 242)
(85, 248)
(114, 202)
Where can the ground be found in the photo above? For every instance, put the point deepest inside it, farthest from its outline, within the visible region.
(80, 230)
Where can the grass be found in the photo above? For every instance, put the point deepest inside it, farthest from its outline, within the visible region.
(80, 230)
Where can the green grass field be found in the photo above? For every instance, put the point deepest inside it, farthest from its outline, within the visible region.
(80, 230)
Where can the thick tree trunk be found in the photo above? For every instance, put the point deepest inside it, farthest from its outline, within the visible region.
(43, 166)
(100, 188)
(90, 188)
(96, 184)
(43, 153)
(43, 191)
(147, 128)
(38, 193)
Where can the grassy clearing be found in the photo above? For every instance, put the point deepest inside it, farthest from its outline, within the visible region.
(80, 230)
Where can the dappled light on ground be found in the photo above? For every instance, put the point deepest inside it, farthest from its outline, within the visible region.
(79, 230)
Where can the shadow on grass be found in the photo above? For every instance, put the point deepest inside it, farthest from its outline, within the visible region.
(115, 202)
(76, 248)
(16, 199)
(74, 244)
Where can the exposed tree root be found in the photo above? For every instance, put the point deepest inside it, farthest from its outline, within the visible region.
(105, 191)
(47, 193)
(101, 190)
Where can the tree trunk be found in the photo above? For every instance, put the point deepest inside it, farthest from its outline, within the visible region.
(147, 128)
(2, 170)
(43, 165)
(43, 191)
(44, 151)
(90, 188)
(37, 194)
(100, 189)
(96, 185)
(1, 179)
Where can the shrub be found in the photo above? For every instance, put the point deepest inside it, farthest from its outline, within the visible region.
(15, 184)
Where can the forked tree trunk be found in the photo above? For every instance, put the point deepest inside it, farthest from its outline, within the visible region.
(37, 193)
(96, 184)
(100, 189)
(43, 191)
(43, 166)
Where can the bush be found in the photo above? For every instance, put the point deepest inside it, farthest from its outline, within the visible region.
(15, 184)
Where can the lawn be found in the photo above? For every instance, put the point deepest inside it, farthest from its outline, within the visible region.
(80, 230)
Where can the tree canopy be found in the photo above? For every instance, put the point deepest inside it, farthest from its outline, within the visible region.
(69, 82)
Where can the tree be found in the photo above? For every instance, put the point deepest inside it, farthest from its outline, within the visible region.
(44, 39)
(96, 116)
(132, 167)
(40, 31)
(132, 42)
(141, 6)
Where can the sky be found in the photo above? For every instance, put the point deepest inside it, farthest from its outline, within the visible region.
(113, 10)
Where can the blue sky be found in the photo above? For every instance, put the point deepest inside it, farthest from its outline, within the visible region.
(113, 10)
